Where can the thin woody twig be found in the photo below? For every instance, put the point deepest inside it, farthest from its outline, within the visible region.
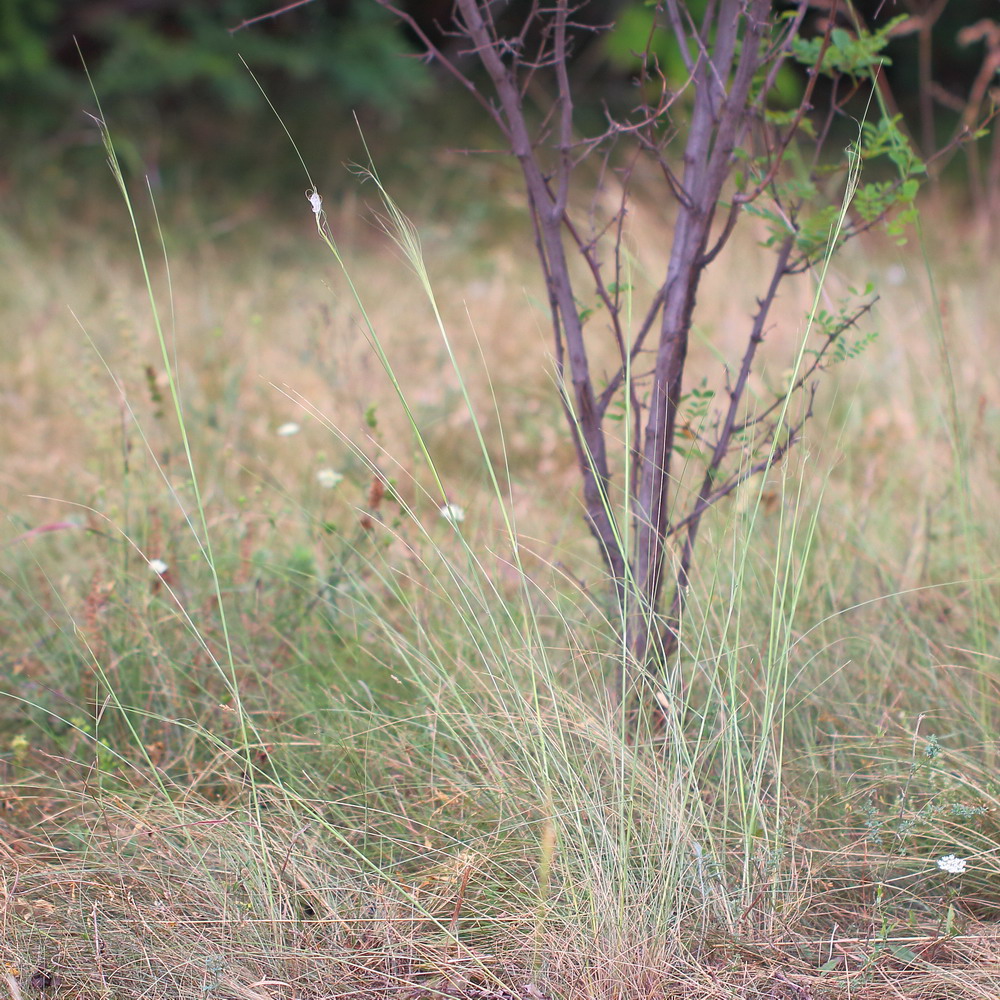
(447, 64)
(270, 14)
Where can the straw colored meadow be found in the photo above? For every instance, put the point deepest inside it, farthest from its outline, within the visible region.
(306, 661)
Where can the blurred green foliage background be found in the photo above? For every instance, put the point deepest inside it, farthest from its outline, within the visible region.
(170, 78)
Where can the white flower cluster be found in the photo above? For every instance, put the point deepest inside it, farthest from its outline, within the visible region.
(452, 513)
(952, 865)
(329, 478)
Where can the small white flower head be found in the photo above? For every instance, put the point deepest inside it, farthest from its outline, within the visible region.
(328, 478)
(895, 274)
(952, 865)
(315, 200)
(158, 566)
(288, 430)
(452, 513)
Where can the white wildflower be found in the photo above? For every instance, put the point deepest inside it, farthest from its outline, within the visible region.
(288, 430)
(895, 274)
(452, 513)
(316, 200)
(158, 566)
(952, 865)
(328, 478)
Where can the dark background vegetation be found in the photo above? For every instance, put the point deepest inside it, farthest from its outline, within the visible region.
(187, 111)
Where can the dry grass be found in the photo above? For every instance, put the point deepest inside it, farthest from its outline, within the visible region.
(388, 769)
